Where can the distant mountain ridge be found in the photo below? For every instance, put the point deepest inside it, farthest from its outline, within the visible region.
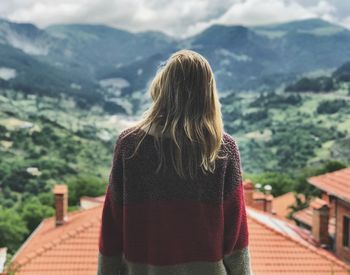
(77, 57)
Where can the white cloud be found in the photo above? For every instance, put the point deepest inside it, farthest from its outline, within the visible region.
(325, 10)
(7, 73)
(179, 18)
(257, 12)
(346, 22)
(172, 17)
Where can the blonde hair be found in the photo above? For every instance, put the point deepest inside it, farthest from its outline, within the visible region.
(186, 105)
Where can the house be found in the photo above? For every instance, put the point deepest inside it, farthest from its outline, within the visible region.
(305, 218)
(334, 212)
(68, 244)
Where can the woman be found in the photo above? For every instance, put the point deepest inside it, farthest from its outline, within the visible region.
(174, 203)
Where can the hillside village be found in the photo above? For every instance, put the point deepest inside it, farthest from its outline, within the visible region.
(316, 244)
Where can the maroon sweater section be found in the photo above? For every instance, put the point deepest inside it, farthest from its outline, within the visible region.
(164, 220)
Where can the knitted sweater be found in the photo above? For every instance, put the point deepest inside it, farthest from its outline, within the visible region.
(163, 225)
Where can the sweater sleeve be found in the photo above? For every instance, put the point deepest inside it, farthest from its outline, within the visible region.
(236, 258)
(111, 233)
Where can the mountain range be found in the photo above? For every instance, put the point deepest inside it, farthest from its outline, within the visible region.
(96, 63)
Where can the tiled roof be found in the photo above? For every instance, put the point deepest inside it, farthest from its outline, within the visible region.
(72, 248)
(280, 204)
(67, 249)
(335, 183)
(274, 252)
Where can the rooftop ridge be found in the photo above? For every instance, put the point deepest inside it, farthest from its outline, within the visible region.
(335, 183)
(323, 253)
(346, 169)
(27, 241)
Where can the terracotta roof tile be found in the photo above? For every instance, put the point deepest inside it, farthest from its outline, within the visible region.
(335, 183)
(72, 249)
(287, 255)
(280, 204)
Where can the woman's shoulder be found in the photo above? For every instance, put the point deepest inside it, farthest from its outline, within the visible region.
(125, 137)
(230, 143)
(127, 132)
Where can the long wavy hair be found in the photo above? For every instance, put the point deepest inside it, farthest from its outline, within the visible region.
(186, 107)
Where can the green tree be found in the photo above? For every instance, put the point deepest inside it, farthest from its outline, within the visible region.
(33, 212)
(331, 106)
(85, 185)
(298, 205)
(331, 166)
(319, 84)
(281, 183)
(13, 229)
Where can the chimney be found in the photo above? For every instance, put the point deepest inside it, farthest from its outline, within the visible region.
(248, 192)
(61, 203)
(320, 217)
(268, 198)
(268, 203)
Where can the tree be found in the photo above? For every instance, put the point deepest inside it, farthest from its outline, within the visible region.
(13, 229)
(85, 185)
(33, 212)
(298, 205)
(331, 166)
(319, 84)
(281, 183)
(331, 106)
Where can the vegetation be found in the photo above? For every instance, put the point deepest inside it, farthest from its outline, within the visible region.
(342, 74)
(331, 106)
(12, 229)
(42, 144)
(274, 100)
(315, 85)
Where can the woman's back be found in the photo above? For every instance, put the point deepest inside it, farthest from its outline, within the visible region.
(161, 224)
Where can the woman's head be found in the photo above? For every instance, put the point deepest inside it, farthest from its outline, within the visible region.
(186, 106)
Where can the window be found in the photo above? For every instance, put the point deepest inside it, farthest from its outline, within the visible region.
(346, 231)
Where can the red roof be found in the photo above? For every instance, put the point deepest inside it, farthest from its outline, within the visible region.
(280, 204)
(67, 249)
(335, 183)
(274, 252)
(72, 248)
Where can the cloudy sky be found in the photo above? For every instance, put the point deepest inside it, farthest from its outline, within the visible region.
(178, 18)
